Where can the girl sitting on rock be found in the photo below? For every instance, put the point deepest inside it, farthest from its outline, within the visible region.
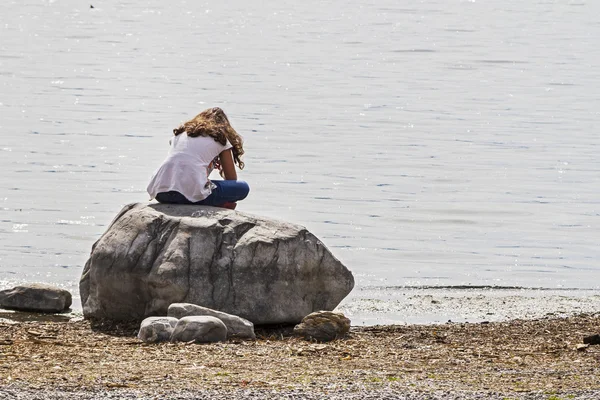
(202, 144)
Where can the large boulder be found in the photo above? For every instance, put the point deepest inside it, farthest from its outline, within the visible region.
(260, 269)
(36, 297)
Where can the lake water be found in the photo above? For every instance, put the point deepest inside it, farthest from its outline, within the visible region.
(427, 143)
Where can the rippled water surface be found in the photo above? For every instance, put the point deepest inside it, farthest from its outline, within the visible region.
(425, 142)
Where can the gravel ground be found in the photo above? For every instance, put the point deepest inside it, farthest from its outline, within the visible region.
(388, 393)
(521, 359)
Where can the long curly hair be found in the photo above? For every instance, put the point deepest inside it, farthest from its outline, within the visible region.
(214, 123)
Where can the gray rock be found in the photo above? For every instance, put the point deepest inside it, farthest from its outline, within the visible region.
(263, 270)
(203, 329)
(157, 329)
(236, 326)
(36, 297)
(323, 326)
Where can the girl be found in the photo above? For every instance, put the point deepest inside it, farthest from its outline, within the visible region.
(206, 142)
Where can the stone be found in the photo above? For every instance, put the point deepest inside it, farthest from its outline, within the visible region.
(236, 326)
(199, 329)
(263, 270)
(157, 329)
(592, 340)
(323, 326)
(36, 297)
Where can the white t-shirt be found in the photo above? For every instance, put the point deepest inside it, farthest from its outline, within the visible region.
(187, 167)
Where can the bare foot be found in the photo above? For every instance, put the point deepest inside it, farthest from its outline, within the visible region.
(229, 205)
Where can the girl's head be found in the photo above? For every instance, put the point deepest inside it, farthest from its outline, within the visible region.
(214, 123)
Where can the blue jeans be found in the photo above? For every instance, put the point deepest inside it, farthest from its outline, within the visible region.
(224, 192)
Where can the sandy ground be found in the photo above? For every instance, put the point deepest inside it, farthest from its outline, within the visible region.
(518, 359)
(392, 305)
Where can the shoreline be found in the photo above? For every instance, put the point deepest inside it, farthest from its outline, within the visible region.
(517, 359)
(373, 305)
(368, 306)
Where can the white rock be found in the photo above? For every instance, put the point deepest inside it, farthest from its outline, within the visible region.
(200, 330)
(157, 329)
(236, 326)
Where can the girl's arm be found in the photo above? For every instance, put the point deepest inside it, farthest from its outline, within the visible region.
(227, 165)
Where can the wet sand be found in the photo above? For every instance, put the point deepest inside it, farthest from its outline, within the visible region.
(424, 305)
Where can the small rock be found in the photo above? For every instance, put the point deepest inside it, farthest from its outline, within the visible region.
(594, 339)
(236, 326)
(582, 347)
(157, 329)
(36, 297)
(323, 326)
(202, 329)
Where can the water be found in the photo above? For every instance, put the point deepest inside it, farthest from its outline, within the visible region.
(432, 143)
